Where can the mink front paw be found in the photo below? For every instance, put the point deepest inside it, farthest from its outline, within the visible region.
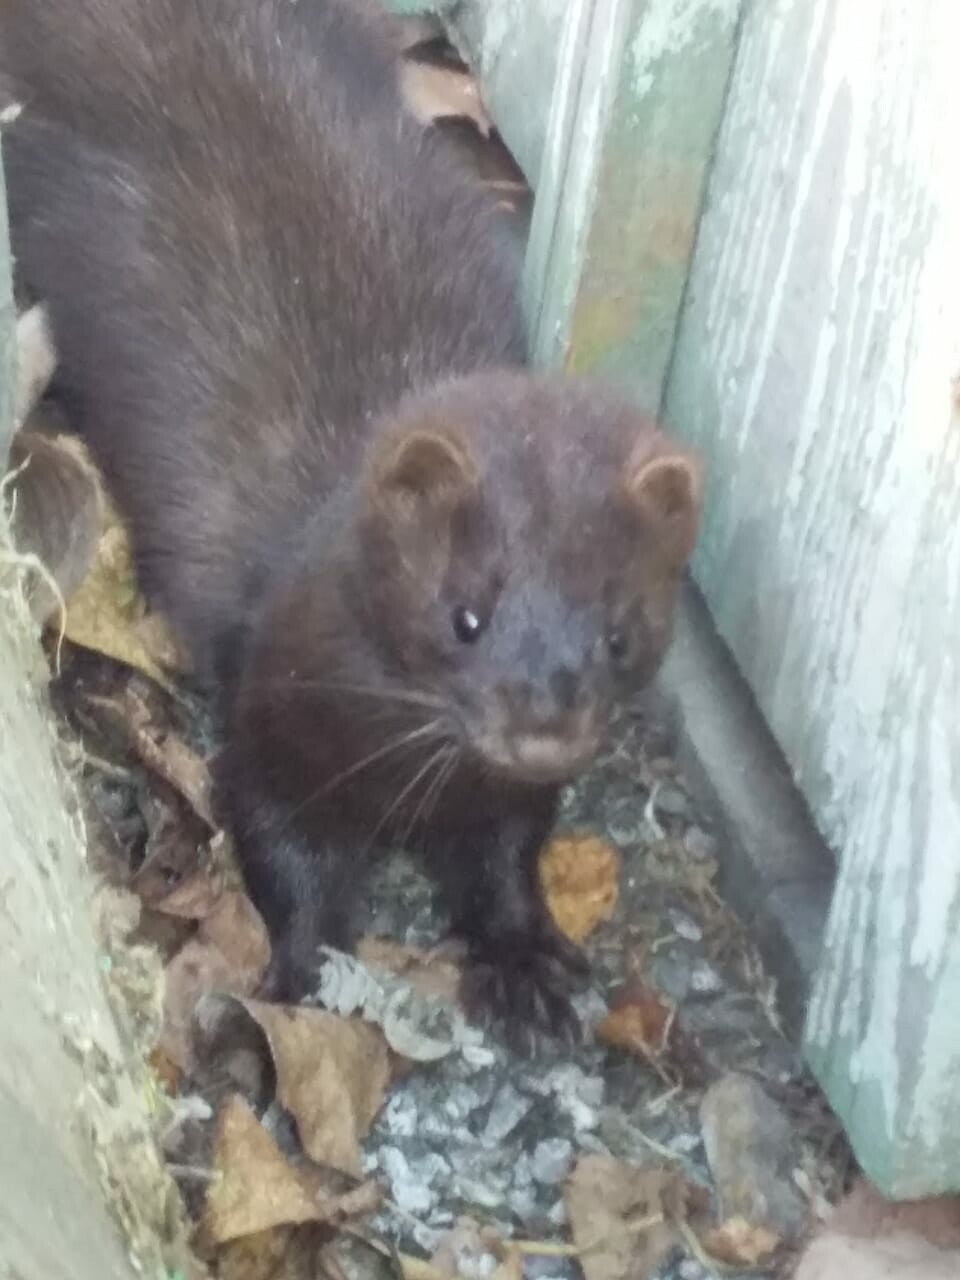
(522, 987)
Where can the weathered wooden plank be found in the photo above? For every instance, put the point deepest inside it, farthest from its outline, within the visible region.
(611, 108)
(7, 333)
(618, 207)
(515, 48)
(71, 1119)
(816, 366)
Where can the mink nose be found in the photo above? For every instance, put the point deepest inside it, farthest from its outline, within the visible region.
(549, 700)
(552, 733)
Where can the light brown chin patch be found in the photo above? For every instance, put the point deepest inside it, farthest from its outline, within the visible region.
(538, 757)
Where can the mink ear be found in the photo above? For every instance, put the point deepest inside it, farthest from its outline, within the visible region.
(663, 483)
(431, 467)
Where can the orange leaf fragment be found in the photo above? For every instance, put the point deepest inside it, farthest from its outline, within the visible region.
(639, 1021)
(579, 876)
(739, 1243)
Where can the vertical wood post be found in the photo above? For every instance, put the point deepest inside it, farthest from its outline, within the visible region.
(637, 104)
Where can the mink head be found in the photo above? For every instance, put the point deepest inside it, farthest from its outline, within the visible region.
(521, 541)
(503, 573)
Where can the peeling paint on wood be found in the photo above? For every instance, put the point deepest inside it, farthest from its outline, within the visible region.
(8, 373)
(514, 46)
(616, 229)
(815, 367)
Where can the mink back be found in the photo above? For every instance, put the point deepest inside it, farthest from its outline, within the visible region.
(248, 250)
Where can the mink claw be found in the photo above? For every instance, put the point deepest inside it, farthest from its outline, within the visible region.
(525, 998)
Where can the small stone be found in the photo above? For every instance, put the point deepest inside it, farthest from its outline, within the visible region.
(699, 844)
(750, 1149)
(590, 1007)
(400, 1116)
(684, 1144)
(685, 926)
(539, 1268)
(671, 973)
(557, 1213)
(523, 1203)
(431, 1168)
(578, 1095)
(507, 1110)
(461, 1101)
(551, 1160)
(408, 1192)
(590, 1144)
(672, 802)
(484, 1194)
(690, 1269)
(428, 1238)
(522, 1173)
(704, 979)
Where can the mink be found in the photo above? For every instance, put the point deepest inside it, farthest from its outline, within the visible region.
(418, 576)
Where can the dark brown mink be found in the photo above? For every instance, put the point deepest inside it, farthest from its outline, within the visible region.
(418, 577)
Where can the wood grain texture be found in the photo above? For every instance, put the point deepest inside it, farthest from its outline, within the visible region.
(8, 372)
(59, 1048)
(622, 181)
(514, 46)
(817, 367)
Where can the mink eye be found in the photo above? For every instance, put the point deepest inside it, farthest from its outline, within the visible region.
(617, 644)
(467, 625)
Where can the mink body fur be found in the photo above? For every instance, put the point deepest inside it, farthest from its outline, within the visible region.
(418, 577)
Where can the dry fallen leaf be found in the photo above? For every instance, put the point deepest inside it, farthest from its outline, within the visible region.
(466, 1239)
(235, 928)
(229, 953)
(166, 1071)
(256, 1188)
(622, 1216)
(639, 1021)
(579, 876)
(169, 757)
(283, 1253)
(57, 509)
(178, 876)
(434, 92)
(107, 613)
(330, 1073)
(432, 973)
(260, 1256)
(194, 898)
(737, 1243)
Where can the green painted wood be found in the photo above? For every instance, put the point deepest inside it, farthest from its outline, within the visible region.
(817, 368)
(616, 218)
(7, 334)
(515, 47)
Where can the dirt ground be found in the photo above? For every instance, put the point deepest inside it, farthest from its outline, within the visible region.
(689, 1082)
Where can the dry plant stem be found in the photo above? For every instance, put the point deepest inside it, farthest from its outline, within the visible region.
(29, 561)
(194, 1173)
(548, 1249)
(110, 770)
(419, 1269)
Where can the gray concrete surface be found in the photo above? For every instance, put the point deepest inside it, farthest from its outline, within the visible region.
(775, 870)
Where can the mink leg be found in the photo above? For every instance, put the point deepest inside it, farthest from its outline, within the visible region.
(521, 968)
(305, 892)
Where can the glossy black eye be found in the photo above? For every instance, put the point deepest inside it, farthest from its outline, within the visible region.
(467, 626)
(617, 645)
